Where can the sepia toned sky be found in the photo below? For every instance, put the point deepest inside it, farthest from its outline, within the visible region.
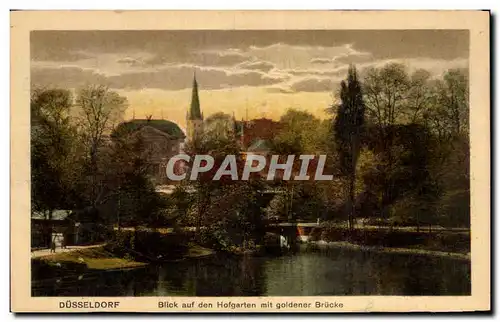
(254, 73)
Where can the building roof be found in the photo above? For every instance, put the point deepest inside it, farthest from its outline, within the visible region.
(253, 130)
(149, 130)
(165, 126)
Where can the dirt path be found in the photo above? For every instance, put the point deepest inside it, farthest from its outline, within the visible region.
(46, 252)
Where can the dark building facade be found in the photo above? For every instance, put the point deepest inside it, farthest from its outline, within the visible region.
(161, 139)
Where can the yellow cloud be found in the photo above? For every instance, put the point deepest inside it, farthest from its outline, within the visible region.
(255, 101)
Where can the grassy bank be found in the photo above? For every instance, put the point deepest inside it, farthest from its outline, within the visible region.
(93, 258)
(78, 262)
(197, 251)
(415, 241)
(98, 259)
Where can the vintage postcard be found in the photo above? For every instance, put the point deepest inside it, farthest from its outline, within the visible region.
(259, 161)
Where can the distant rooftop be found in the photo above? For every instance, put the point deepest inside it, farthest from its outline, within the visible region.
(165, 126)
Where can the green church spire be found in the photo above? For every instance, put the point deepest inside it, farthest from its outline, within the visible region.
(195, 112)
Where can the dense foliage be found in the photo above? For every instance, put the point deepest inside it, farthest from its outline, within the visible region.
(397, 145)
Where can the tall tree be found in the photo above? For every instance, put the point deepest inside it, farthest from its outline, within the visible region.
(219, 125)
(218, 147)
(347, 127)
(419, 96)
(449, 121)
(450, 115)
(52, 147)
(386, 93)
(99, 110)
(302, 132)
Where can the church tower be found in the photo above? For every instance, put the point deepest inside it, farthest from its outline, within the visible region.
(194, 119)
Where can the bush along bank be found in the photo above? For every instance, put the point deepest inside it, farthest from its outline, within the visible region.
(439, 243)
(155, 246)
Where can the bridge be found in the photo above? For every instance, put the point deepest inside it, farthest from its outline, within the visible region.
(293, 232)
(169, 189)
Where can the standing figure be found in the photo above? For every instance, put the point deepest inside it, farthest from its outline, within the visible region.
(53, 245)
(63, 241)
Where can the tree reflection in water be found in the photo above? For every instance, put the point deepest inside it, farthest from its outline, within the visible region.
(326, 272)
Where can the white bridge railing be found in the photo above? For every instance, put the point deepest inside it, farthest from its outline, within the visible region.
(169, 189)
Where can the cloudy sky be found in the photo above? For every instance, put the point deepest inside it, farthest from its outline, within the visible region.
(262, 72)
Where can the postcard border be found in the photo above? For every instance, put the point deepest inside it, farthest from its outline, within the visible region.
(477, 22)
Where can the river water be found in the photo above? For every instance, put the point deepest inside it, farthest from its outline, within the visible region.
(306, 273)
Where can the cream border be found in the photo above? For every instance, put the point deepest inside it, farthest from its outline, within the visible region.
(22, 22)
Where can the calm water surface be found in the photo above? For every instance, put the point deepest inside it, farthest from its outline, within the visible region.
(326, 272)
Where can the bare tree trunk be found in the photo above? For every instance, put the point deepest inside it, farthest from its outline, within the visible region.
(199, 215)
(347, 206)
(351, 201)
(352, 178)
(119, 208)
